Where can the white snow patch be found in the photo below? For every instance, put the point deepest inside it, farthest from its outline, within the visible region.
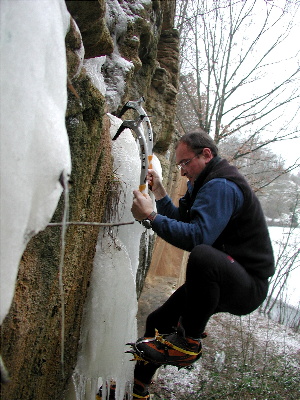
(93, 68)
(79, 52)
(116, 70)
(117, 18)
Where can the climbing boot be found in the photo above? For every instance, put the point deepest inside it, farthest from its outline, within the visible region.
(140, 391)
(169, 349)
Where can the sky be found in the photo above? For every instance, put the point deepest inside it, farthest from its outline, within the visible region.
(289, 150)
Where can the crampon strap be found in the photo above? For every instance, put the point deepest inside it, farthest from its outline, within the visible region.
(171, 345)
(136, 357)
(136, 396)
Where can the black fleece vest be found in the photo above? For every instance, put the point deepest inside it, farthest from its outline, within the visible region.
(246, 237)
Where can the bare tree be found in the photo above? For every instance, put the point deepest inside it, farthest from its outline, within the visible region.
(288, 259)
(235, 78)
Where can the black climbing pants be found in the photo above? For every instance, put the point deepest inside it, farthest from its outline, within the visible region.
(214, 283)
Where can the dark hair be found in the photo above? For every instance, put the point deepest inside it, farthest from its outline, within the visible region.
(196, 141)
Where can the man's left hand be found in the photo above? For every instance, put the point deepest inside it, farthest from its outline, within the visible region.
(141, 206)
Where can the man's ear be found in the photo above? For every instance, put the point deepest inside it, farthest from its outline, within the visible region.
(208, 155)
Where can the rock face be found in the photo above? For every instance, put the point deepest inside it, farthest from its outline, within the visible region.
(31, 333)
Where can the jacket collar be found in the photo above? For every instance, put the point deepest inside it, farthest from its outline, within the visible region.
(203, 175)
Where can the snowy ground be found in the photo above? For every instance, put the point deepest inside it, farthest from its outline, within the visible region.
(243, 358)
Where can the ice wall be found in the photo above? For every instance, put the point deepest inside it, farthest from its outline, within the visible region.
(109, 320)
(34, 154)
(34, 141)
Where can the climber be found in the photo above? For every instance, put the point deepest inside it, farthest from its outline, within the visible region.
(220, 222)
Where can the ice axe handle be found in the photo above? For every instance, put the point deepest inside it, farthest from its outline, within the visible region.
(143, 188)
(150, 166)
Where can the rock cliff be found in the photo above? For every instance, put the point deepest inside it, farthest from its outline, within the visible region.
(31, 342)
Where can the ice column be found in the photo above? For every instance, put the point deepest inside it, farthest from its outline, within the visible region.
(34, 141)
(110, 311)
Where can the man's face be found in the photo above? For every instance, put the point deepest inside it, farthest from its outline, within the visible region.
(195, 164)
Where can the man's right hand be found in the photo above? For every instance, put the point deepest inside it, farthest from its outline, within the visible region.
(155, 184)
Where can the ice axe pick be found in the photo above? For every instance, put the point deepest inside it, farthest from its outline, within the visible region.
(135, 126)
(137, 106)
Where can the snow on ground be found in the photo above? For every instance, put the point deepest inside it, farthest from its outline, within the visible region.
(233, 343)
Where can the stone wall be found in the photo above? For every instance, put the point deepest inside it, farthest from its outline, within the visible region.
(31, 333)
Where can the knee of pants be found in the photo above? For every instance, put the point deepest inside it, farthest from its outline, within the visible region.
(202, 262)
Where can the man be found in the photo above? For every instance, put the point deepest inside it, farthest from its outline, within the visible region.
(220, 221)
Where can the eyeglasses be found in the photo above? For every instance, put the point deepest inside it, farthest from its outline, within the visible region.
(185, 163)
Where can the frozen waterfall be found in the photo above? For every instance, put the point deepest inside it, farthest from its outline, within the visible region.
(35, 152)
(109, 320)
(34, 142)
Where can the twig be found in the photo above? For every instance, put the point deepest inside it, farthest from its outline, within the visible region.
(64, 222)
(90, 223)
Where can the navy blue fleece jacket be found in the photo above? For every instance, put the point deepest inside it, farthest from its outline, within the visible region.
(216, 202)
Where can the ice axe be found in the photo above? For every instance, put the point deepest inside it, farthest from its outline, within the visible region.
(136, 127)
(137, 106)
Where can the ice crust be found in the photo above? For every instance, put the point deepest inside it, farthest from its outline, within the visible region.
(34, 141)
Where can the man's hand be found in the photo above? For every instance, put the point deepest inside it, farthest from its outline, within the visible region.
(142, 205)
(154, 182)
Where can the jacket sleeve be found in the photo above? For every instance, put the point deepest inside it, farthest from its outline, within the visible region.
(166, 207)
(216, 202)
